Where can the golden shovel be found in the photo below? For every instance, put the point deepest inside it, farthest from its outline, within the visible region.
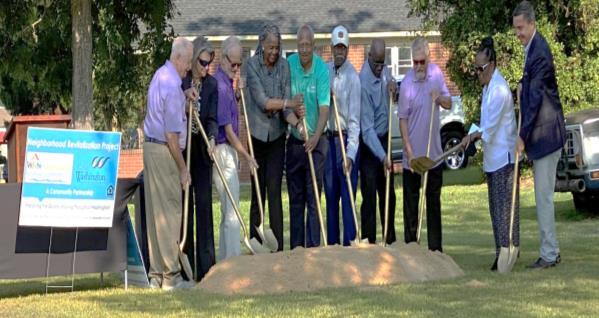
(268, 237)
(356, 241)
(508, 255)
(253, 246)
(183, 258)
(314, 184)
(388, 173)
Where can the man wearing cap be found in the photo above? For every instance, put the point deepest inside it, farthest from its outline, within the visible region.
(345, 89)
(376, 85)
(310, 77)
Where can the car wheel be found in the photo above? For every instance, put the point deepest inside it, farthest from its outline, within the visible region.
(459, 159)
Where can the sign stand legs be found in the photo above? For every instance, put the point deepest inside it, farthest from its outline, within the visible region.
(72, 285)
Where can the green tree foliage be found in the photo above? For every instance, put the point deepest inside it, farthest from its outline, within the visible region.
(570, 27)
(131, 38)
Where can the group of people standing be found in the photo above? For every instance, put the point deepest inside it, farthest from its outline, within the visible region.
(288, 106)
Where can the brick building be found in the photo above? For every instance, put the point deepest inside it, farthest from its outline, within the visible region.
(364, 20)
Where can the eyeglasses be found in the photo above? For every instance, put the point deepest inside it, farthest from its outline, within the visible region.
(418, 62)
(204, 63)
(480, 69)
(233, 65)
(378, 64)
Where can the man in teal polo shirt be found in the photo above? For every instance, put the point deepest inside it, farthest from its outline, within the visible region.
(309, 77)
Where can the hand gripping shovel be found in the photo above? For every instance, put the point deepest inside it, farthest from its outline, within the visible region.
(356, 240)
(268, 237)
(388, 173)
(254, 247)
(422, 202)
(182, 256)
(508, 255)
(314, 184)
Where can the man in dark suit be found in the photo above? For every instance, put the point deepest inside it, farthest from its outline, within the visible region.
(542, 133)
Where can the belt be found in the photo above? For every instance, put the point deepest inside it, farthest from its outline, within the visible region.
(155, 141)
(331, 133)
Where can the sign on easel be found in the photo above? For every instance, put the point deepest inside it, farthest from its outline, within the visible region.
(70, 178)
(136, 271)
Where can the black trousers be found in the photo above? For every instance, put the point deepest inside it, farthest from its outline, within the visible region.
(411, 196)
(270, 157)
(304, 230)
(372, 182)
(200, 196)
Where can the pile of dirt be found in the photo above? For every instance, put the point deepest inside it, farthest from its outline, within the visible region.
(328, 267)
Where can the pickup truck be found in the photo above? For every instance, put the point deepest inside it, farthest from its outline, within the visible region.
(578, 168)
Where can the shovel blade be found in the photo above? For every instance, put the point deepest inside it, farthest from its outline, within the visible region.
(507, 258)
(186, 265)
(270, 240)
(422, 164)
(256, 247)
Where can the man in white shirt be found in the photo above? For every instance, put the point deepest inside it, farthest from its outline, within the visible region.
(498, 134)
(345, 88)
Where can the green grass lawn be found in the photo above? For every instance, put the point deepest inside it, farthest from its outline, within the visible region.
(569, 290)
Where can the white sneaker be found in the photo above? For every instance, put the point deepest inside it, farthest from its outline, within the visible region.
(154, 283)
(182, 284)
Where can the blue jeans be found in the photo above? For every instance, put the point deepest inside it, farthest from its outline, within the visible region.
(335, 188)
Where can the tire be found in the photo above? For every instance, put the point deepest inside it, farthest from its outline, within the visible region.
(449, 140)
(586, 202)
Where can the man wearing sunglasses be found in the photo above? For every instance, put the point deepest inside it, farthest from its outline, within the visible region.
(376, 84)
(200, 165)
(422, 91)
(228, 146)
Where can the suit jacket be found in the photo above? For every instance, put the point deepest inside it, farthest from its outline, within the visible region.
(543, 128)
(208, 108)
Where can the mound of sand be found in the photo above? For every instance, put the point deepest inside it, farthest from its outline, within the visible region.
(328, 267)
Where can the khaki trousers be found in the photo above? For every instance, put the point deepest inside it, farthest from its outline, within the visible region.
(163, 212)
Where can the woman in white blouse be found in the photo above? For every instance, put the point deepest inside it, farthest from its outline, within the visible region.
(498, 135)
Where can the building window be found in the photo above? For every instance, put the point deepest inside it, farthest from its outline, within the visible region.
(398, 59)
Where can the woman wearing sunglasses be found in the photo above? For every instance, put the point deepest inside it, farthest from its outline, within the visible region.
(199, 83)
(498, 126)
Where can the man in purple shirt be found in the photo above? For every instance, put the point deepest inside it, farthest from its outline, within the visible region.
(165, 172)
(422, 86)
(228, 145)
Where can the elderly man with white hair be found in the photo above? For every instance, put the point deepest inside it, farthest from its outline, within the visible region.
(228, 145)
(165, 172)
(422, 91)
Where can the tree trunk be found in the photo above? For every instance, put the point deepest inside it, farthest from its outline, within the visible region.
(82, 104)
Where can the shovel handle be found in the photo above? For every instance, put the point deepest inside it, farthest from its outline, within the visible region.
(515, 181)
(186, 191)
(315, 184)
(424, 179)
(347, 174)
(388, 173)
(254, 175)
(225, 185)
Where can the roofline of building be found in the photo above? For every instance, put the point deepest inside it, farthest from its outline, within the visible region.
(325, 36)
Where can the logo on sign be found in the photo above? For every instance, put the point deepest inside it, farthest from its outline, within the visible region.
(99, 162)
